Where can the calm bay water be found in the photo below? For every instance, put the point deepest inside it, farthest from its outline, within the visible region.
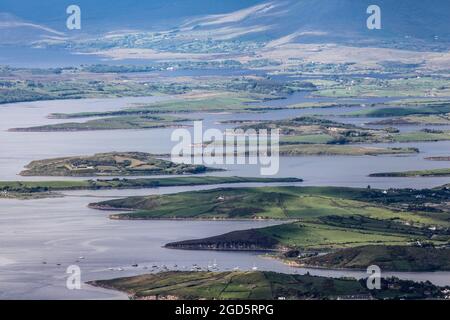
(37, 235)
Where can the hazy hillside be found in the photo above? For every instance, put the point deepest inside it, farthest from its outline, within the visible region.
(182, 25)
(110, 15)
(336, 19)
(14, 30)
(268, 19)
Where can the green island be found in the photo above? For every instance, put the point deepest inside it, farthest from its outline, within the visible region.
(232, 58)
(444, 158)
(313, 130)
(418, 101)
(341, 150)
(315, 219)
(445, 172)
(111, 164)
(42, 189)
(211, 102)
(309, 136)
(317, 237)
(112, 123)
(263, 285)
(440, 108)
(434, 120)
(299, 136)
(424, 135)
(398, 258)
(306, 203)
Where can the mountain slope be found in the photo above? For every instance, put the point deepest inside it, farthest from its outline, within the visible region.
(335, 19)
(110, 15)
(14, 30)
(228, 27)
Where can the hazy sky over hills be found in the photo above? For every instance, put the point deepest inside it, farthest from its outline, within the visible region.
(400, 18)
(103, 14)
(267, 20)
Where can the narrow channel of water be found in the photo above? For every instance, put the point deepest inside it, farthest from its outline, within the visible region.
(40, 238)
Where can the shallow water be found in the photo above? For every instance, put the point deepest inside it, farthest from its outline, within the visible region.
(38, 235)
(60, 230)
(19, 148)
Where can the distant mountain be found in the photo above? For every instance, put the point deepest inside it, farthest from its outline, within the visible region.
(103, 16)
(331, 20)
(14, 30)
(276, 21)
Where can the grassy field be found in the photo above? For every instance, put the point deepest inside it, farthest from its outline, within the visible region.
(398, 258)
(291, 236)
(422, 136)
(416, 173)
(213, 102)
(282, 203)
(260, 285)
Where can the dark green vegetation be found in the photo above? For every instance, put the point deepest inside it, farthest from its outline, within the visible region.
(416, 173)
(110, 164)
(326, 217)
(44, 188)
(112, 123)
(262, 285)
(398, 258)
(245, 240)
